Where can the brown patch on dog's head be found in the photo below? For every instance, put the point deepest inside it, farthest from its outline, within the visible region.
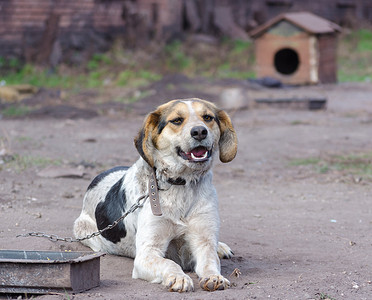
(154, 123)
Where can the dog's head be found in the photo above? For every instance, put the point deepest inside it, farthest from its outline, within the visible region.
(186, 132)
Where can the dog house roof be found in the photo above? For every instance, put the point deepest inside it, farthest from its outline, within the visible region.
(307, 21)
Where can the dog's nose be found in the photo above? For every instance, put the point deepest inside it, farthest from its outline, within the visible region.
(199, 133)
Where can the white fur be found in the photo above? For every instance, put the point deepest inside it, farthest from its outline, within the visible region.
(186, 235)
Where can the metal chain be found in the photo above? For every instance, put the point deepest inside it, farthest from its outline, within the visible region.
(54, 238)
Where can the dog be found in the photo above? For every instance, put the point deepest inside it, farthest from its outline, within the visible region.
(177, 145)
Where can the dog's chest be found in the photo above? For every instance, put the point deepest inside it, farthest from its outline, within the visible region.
(179, 202)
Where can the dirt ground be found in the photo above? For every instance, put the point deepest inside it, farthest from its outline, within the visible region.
(297, 232)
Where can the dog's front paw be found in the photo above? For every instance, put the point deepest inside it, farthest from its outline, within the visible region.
(214, 283)
(179, 283)
(224, 251)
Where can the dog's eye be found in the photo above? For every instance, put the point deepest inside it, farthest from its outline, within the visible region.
(207, 118)
(177, 121)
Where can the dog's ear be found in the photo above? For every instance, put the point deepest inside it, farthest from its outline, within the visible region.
(228, 142)
(144, 141)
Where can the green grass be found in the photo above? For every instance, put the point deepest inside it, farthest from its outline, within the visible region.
(359, 164)
(136, 79)
(228, 58)
(235, 61)
(299, 122)
(97, 60)
(38, 77)
(235, 74)
(138, 95)
(11, 63)
(24, 162)
(95, 78)
(364, 37)
(355, 56)
(241, 47)
(350, 77)
(15, 111)
(305, 161)
(177, 60)
(122, 67)
(323, 296)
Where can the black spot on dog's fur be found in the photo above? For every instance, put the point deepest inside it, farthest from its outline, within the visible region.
(161, 126)
(110, 210)
(101, 176)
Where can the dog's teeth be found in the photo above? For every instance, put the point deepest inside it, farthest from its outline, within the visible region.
(199, 158)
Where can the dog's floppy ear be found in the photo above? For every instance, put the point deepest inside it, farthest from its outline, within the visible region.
(228, 142)
(144, 141)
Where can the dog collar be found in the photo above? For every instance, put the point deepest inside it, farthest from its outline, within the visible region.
(154, 195)
(154, 191)
(177, 181)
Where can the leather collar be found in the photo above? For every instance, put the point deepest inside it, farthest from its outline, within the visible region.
(154, 194)
(154, 191)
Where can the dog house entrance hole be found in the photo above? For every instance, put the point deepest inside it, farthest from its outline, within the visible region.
(286, 61)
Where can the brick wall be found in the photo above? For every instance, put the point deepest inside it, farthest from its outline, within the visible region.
(81, 23)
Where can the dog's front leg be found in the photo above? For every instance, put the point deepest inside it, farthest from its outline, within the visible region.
(152, 241)
(203, 244)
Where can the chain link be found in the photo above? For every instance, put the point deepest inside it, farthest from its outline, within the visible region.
(54, 238)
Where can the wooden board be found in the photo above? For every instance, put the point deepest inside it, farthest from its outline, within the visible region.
(294, 103)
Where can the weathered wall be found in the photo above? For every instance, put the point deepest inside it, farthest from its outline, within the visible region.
(327, 47)
(78, 28)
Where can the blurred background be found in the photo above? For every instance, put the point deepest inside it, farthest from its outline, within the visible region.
(131, 44)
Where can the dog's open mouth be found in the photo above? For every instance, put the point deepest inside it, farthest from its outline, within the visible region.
(198, 154)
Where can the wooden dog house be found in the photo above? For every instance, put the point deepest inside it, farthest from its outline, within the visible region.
(297, 48)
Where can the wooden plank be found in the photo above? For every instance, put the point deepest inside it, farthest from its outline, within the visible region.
(294, 103)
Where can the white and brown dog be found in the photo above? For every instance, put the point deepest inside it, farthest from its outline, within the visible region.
(177, 143)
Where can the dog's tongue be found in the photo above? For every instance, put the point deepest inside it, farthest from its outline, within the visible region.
(199, 152)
